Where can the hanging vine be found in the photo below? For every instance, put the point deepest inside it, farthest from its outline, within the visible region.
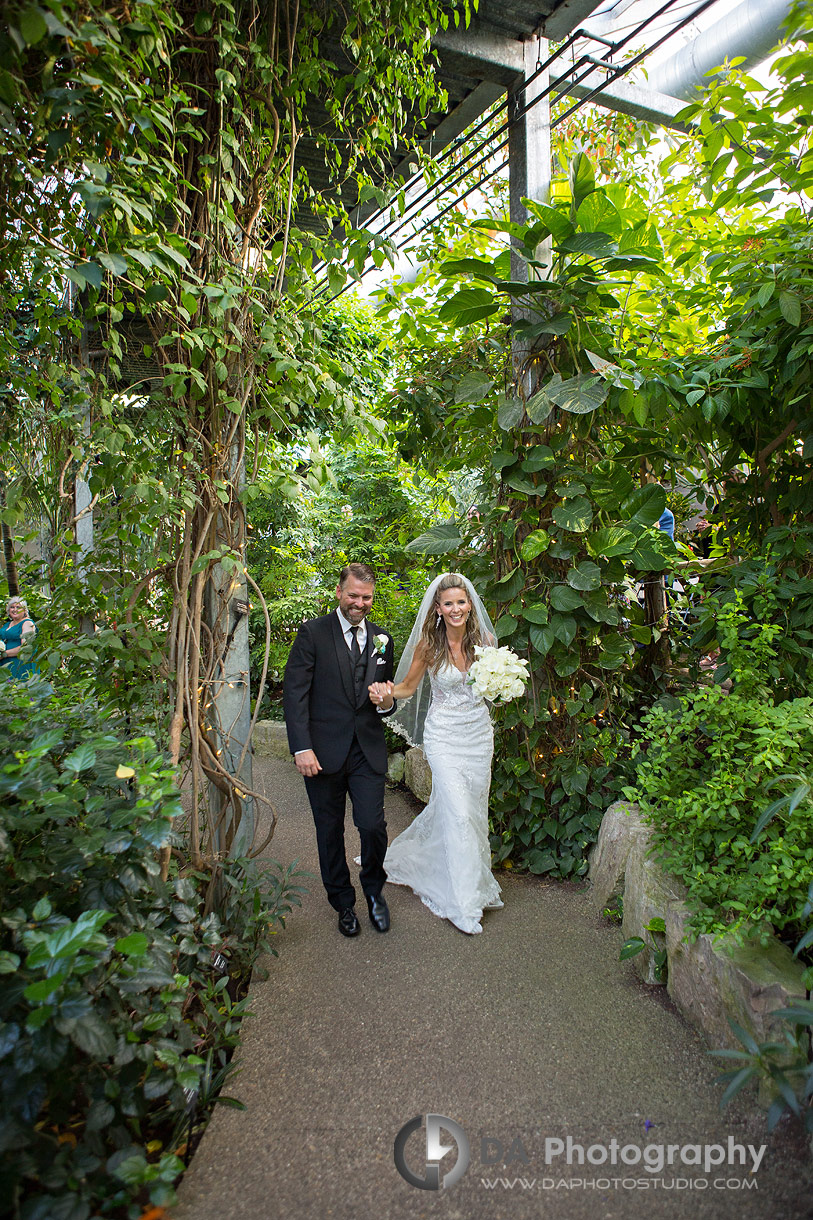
(149, 159)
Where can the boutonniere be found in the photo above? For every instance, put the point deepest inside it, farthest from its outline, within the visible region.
(380, 642)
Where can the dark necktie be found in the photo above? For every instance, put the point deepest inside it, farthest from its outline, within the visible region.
(355, 651)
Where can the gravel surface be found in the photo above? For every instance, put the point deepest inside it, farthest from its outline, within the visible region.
(528, 1033)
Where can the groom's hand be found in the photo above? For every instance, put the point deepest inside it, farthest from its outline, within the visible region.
(307, 763)
(381, 695)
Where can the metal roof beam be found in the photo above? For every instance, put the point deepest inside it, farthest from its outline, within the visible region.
(647, 105)
(485, 56)
(566, 18)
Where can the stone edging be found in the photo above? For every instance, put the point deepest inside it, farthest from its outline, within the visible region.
(708, 980)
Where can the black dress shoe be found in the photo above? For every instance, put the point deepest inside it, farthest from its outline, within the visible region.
(379, 913)
(348, 922)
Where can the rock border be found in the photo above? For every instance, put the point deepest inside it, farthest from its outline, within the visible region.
(709, 980)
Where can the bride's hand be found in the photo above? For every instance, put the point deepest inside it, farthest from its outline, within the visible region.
(381, 694)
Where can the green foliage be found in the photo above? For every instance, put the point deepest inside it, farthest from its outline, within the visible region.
(774, 587)
(149, 164)
(782, 1066)
(366, 509)
(636, 944)
(699, 765)
(565, 524)
(114, 1009)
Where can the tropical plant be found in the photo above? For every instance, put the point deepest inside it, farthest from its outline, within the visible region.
(699, 763)
(564, 522)
(113, 982)
(158, 315)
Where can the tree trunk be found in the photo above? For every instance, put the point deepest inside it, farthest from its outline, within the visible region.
(8, 551)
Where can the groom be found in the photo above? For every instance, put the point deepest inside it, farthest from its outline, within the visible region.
(336, 736)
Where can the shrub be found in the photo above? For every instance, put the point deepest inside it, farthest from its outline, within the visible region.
(114, 1001)
(702, 764)
(773, 586)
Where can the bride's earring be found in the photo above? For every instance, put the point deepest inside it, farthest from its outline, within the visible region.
(437, 621)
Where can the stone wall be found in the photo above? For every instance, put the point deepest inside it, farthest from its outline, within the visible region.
(710, 980)
(270, 739)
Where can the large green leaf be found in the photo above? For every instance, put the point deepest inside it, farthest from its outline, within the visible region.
(80, 759)
(524, 288)
(509, 412)
(113, 262)
(438, 540)
(538, 458)
(563, 627)
(542, 639)
(612, 540)
(579, 395)
(536, 614)
(645, 558)
(574, 515)
(94, 1037)
(535, 544)
(133, 945)
(564, 598)
(473, 387)
(569, 490)
(632, 262)
(585, 576)
(645, 504)
(790, 307)
(640, 241)
(559, 324)
(596, 605)
(32, 25)
(469, 305)
(479, 268)
(539, 407)
(86, 274)
(521, 482)
(505, 627)
(582, 178)
(556, 223)
(612, 488)
(599, 245)
(597, 214)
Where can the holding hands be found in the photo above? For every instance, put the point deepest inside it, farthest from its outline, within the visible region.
(381, 695)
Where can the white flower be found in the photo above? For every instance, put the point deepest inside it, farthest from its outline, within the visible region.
(498, 674)
(380, 643)
(2, 648)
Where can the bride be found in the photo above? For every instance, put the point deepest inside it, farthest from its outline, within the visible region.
(444, 855)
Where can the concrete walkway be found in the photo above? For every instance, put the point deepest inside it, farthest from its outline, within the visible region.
(531, 1031)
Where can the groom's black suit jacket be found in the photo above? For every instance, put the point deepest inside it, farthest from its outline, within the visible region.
(321, 710)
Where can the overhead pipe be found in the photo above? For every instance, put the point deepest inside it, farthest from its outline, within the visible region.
(751, 31)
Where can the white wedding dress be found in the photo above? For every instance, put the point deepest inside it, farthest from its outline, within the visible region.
(444, 855)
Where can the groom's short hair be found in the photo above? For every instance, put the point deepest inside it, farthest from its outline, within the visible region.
(360, 571)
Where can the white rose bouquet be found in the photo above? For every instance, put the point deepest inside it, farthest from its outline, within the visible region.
(498, 674)
(2, 648)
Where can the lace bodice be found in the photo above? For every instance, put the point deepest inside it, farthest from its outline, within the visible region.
(450, 688)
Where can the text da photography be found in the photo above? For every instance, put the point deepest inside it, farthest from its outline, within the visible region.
(433, 1152)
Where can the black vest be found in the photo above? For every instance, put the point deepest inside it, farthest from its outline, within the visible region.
(358, 670)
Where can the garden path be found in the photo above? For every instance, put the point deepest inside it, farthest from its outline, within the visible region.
(532, 1030)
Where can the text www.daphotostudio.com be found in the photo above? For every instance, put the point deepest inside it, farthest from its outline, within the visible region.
(420, 1161)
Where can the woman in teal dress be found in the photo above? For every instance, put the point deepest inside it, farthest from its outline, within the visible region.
(17, 634)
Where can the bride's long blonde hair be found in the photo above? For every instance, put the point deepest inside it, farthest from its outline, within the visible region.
(433, 633)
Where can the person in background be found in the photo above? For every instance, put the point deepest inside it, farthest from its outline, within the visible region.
(666, 523)
(17, 637)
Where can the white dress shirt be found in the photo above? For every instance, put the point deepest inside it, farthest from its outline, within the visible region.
(347, 628)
